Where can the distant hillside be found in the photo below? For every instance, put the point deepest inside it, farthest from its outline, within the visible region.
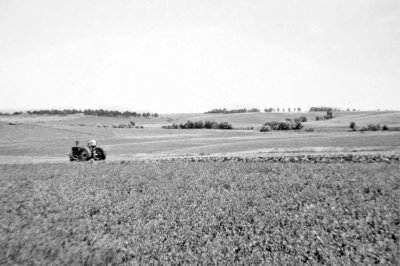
(341, 119)
(391, 118)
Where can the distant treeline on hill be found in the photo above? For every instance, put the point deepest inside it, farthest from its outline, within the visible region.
(325, 109)
(111, 113)
(96, 112)
(233, 111)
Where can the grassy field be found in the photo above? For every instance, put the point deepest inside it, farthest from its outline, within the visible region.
(49, 138)
(200, 213)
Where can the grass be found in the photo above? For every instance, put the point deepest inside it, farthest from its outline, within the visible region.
(206, 213)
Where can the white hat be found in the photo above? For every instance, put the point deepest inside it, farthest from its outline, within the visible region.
(92, 143)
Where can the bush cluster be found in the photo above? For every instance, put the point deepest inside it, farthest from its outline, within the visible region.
(131, 124)
(300, 119)
(328, 115)
(274, 125)
(374, 127)
(199, 125)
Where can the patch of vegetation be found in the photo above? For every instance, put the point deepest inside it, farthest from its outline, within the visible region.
(329, 115)
(232, 111)
(131, 124)
(200, 213)
(96, 112)
(374, 127)
(200, 125)
(274, 125)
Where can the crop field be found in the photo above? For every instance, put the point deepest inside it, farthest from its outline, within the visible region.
(200, 213)
(200, 196)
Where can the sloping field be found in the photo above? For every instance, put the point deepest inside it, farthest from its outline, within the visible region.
(243, 119)
(361, 119)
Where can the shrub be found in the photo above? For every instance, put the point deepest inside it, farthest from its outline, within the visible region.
(132, 123)
(373, 127)
(209, 125)
(274, 125)
(198, 124)
(329, 114)
(265, 128)
(296, 126)
(300, 119)
(188, 125)
(353, 126)
(224, 125)
(385, 127)
(309, 129)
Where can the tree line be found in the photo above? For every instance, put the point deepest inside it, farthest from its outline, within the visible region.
(94, 112)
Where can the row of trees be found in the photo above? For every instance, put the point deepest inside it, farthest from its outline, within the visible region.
(112, 113)
(325, 109)
(278, 110)
(233, 111)
(96, 112)
(255, 110)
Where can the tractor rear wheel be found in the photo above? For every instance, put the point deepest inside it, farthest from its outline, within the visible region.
(99, 154)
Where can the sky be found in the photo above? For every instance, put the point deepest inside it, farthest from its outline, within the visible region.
(196, 55)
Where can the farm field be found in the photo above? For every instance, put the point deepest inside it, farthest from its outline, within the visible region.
(200, 213)
(49, 138)
(145, 206)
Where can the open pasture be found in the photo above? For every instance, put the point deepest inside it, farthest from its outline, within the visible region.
(42, 139)
(206, 213)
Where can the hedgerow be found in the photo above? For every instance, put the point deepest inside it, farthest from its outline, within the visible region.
(274, 125)
(199, 125)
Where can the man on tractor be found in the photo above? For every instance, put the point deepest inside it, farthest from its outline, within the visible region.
(92, 144)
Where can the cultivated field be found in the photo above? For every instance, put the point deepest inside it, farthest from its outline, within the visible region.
(200, 213)
(200, 196)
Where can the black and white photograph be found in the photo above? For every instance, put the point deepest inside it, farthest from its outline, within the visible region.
(199, 132)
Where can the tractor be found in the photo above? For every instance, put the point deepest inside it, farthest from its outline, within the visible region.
(81, 153)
